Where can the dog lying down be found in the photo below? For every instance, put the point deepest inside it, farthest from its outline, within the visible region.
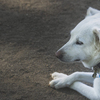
(84, 46)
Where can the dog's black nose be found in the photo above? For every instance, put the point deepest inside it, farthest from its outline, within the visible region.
(59, 54)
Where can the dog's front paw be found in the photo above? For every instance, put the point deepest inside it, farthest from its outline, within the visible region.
(60, 80)
(56, 75)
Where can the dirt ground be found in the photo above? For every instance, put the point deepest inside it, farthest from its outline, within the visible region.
(31, 31)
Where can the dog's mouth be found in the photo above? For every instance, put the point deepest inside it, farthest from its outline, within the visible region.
(61, 55)
(77, 60)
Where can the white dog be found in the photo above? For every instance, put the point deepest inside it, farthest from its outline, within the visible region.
(84, 46)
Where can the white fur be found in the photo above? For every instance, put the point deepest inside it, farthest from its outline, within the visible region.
(83, 45)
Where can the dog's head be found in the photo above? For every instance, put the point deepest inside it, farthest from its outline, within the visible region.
(84, 44)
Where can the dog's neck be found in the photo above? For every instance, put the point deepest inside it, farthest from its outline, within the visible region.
(91, 63)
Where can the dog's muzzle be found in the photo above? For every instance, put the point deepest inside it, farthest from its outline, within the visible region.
(60, 54)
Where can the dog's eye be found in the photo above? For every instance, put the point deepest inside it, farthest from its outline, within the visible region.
(79, 42)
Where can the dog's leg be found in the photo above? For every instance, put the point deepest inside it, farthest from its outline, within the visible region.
(61, 80)
(84, 76)
(92, 93)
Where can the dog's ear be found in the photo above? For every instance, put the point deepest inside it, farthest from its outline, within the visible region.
(96, 32)
(91, 11)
